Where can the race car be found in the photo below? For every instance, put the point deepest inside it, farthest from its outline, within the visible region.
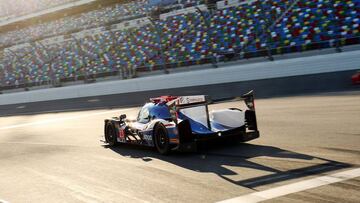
(356, 78)
(180, 122)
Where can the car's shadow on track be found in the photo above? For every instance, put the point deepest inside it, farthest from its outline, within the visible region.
(270, 162)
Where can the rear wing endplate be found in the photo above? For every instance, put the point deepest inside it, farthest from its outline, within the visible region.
(249, 100)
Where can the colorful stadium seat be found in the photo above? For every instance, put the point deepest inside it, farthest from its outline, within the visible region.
(250, 26)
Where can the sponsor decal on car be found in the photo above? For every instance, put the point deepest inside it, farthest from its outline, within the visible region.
(191, 100)
(148, 137)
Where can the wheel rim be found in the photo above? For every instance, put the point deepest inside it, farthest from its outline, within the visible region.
(110, 135)
(162, 139)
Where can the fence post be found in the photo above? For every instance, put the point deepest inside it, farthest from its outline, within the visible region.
(338, 46)
(207, 20)
(270, 56)
(153, 17)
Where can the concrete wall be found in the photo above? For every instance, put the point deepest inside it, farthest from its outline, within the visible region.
(224, 75)
(285, 86)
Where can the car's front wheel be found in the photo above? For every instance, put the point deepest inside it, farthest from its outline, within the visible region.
(162, 142)
(110, 136)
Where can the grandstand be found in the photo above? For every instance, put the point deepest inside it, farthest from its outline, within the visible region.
(129, 37)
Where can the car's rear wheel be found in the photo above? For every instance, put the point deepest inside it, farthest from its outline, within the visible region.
(110, 136)
(162, 143)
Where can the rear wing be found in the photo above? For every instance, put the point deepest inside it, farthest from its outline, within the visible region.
(183, 101)
(177, 104)
(180, 100)
(188, 101)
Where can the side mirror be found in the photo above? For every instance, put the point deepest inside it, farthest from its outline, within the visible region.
(122, 117)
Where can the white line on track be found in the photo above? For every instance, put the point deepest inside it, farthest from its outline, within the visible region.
(286, 175)
(3, 201)
(42, 122)
(295, 187)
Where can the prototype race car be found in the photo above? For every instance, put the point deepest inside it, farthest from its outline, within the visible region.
(180, 122)
(356, 78)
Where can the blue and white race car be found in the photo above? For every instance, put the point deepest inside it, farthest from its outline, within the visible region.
(180, 122)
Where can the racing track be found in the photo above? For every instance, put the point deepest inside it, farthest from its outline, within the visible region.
(58, 157)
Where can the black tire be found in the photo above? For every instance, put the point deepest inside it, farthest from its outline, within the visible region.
(110, 136)
(241, 139)
(162, 142)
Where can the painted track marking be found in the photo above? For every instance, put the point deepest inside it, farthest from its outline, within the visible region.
(295, 187)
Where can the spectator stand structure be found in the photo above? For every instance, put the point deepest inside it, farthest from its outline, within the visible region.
(124, 39)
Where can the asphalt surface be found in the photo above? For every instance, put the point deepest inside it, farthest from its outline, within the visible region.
(58, 157)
